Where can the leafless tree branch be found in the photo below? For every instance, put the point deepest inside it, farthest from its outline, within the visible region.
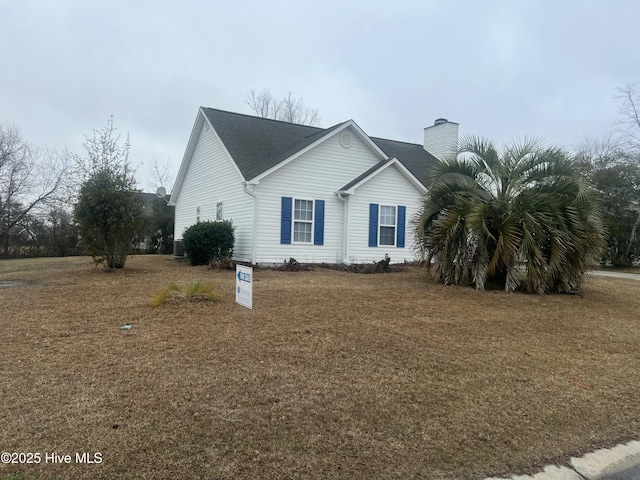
(628, 122)
(287, 109)
(104, 152)
(160, 174)
(30, 179)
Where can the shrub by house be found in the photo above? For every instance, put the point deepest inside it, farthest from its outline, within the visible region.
(205, 242)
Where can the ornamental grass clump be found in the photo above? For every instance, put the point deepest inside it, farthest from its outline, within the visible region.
(192, 292)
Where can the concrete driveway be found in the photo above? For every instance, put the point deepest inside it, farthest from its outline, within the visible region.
(604, 273)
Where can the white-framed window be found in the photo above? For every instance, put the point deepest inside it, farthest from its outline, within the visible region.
(387, 225)
(198, 211)
(219, 215)
(302, 221)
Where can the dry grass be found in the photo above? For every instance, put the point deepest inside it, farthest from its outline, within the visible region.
(331, 375)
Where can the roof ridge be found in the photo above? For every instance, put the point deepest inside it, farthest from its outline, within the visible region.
(396, 141)
(262, 118)
(326, 130)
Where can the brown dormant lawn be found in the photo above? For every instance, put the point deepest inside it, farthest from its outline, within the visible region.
(332, 375)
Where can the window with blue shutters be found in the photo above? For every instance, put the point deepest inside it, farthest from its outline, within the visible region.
(387, 225)
(302, 221)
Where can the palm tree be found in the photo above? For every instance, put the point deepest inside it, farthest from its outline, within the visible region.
(491, 215)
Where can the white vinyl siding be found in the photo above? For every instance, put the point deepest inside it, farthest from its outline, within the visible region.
(389, 188)
(212, 175)
(317, 175)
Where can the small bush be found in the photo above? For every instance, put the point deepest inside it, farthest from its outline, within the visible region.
(222, 264)
(292, 265)
(376, 267)
(205, 242)
(192, 292)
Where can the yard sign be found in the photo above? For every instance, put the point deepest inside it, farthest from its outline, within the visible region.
(244, 286)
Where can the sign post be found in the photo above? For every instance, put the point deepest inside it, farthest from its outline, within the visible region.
(244, 286)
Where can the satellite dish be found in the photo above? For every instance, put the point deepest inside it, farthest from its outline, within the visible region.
(161, 192)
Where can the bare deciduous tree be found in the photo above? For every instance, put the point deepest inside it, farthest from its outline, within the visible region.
(263, 103)
(606, 149)
(612, 164)
(30, 179)
(160, 174)
(628, 123)
(629, 131)
(288, 108)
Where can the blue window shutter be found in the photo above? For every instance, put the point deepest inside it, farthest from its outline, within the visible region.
(373, 224)
(285, 220)
(402, 214)
(318, 227)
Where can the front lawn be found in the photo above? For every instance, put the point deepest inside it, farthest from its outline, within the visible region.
(331, 375)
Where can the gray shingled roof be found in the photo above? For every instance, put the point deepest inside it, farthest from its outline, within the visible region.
(257, 144)
(364, 174)
(412, 155)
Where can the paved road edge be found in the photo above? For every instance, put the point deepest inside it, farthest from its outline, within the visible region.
(592, 466)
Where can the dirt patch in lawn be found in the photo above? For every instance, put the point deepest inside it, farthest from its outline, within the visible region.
(331, 375)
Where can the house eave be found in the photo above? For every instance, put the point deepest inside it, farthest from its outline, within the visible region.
(395, 162)
(201, 118)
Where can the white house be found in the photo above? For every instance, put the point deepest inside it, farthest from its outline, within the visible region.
(315, 194)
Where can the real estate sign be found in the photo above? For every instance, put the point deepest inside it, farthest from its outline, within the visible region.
(244, 286)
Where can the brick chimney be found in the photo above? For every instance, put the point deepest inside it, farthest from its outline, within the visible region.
(441, 139)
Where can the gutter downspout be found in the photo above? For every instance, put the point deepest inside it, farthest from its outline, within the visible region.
(254, 229)
(344, 197)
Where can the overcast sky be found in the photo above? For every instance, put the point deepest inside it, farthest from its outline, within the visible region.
(501, 69)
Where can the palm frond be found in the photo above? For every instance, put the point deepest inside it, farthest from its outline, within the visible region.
(489, 210)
